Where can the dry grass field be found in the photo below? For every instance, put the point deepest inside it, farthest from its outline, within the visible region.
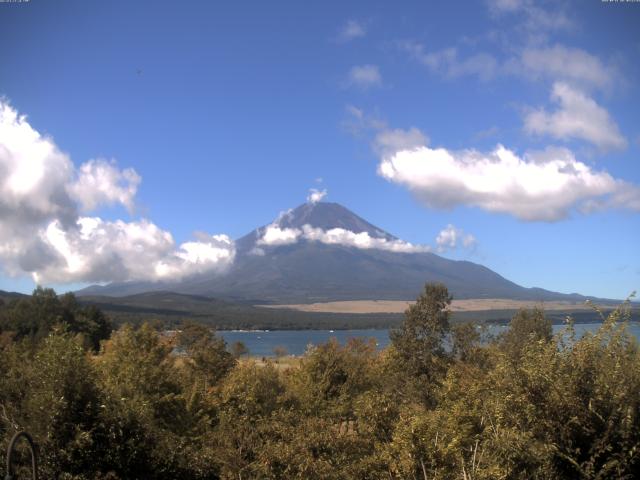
(399, 306)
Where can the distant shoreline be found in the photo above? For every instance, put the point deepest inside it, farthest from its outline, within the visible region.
(399, 306)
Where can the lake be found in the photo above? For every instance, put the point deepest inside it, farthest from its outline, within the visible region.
(262, 343)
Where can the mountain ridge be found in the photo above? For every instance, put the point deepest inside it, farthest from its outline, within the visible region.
(307, 271)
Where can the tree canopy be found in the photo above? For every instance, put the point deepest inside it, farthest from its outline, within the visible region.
(437, 403)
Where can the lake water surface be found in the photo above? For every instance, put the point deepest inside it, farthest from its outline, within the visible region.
(262, 343)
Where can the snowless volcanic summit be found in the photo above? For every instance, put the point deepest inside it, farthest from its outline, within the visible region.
(321, 252)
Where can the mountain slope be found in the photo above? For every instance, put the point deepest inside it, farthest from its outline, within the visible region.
(311, 271)
(6, 297)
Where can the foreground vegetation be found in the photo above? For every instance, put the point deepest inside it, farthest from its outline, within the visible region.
(437, 403)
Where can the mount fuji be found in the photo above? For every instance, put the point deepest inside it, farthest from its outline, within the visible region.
(321, 252)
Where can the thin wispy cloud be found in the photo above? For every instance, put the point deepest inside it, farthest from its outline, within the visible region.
(560, 62)
(452, 238)
(578, 116)
(535, 16)
(487, 133)
(364, 77)
(548, 63)
(523, 37)
(385, 140)
(448, 63)
(358, 123)
(388, 141)
(530, 19)
(351, 30)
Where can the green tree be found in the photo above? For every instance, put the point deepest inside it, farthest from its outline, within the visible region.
(191, 332)
(36, 316)
(208, 357)
(248, 397)
(526, 326)
(155, 421)
(52, 393)
(332, 376)
(465, 346)
(419, 342)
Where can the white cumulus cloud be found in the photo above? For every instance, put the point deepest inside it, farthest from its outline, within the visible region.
(34, 175)
(539, 186)
(579, 116)
(42, 233)
(100, 251)
(209, 253)
(100, 182)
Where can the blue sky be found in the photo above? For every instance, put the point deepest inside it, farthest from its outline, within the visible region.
(229, 112)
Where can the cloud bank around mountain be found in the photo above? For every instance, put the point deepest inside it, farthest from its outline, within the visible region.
(42, 232)
(274, 235)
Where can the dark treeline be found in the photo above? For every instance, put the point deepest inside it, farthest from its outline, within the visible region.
(263, 319)
(172, 309)
(121, 405)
